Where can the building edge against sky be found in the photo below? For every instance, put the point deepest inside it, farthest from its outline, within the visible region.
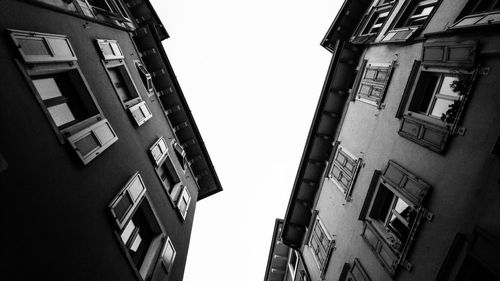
(101, 162)
(399, 175)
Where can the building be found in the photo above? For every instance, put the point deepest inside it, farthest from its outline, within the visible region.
(284, 263)
(101, 161)
(399, 178)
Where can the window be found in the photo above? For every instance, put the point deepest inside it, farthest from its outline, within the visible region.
(122, 81)
(52, 72)
(479, 13)
(344, 169)
(108, 8)
(392, 212)
(372, 84)
(413, 15)
(292, 263)
(372, 22)
(139, 230)
(180, 153)
(435, 97)
(178, 193)
(321, 244)
(146, 78)
(183, 202)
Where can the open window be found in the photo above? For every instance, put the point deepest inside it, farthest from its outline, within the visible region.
(120, 78)
(51, 70)
(372, 22)
(392, 213)
(113, 10)
(146, 78)
(478, 13)
(413, 15)
(139, 230)
(435, 98)
(344, 169)
(293, 262)
(321, 244)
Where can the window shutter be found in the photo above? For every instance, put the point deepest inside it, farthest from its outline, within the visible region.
(357, 272)
(158, 150)
(408, 185)
(386, 84)
(124, 204)
(408, 88)
(359, 77)
(423, 133)
(399, 35)
(167, 256)
(461, 54)
(85, 7)
(381, 250)
(184, 199)
(141, 113)
(93, 140)
(42, 48)
(110, 50)
(146, 77)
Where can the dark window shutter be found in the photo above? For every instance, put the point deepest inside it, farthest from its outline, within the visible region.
(423, 133)
(359, 76)
(381, 250)
(386, 85)
(449, 53)
(408, 88)
(409, 185)
(357, 272)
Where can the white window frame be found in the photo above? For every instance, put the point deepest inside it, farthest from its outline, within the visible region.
(161, 146)
(146, 77)
(292, 268)
(164, 262)
(184, 196)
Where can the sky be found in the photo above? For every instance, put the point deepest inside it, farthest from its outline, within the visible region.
(252, 73)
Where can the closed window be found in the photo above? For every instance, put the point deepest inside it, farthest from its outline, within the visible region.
(321, 245)
(52, 72)
(413, 15)
(373, 81)
(344, 170)
(392, 212)
(139, 230)
(183, 202)
(436, 96)
(122, 81)
(146, 78)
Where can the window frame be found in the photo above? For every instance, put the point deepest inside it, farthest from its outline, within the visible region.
(401, 30)
(185, 196)
(408, 187)
(158, 242)
(357, 164)
(368, 21)
(292, 268)
(322, 265)
(120, 66)
(73, 131)
(146, 78)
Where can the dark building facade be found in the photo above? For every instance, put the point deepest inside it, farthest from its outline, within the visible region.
(399, 179)
(101, 161)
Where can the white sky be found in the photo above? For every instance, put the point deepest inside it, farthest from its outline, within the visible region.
(252, 73)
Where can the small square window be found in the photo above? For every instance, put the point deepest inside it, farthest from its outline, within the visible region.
(146, 78)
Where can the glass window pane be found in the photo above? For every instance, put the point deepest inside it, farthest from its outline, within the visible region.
(168, 253)
(440, 107)
(162, 145)
(121, 208)
(135, 244)
(127, 231)
(156, 152)
(401, 206)
(61, 114)
(135, 189)
(47, 88)
(446, 86)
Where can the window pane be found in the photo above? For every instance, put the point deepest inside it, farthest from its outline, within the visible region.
(401, 206)
(61, 114)
(87, 144)
(34, 46)
(135, 244)
(47, 88)
(135, 189)
(446, 86)
(121, 208)
(156, 152)
(168, 253)
(127, 231)
(183, 205)
(60, 47)
(440, 107)
(162, 145)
